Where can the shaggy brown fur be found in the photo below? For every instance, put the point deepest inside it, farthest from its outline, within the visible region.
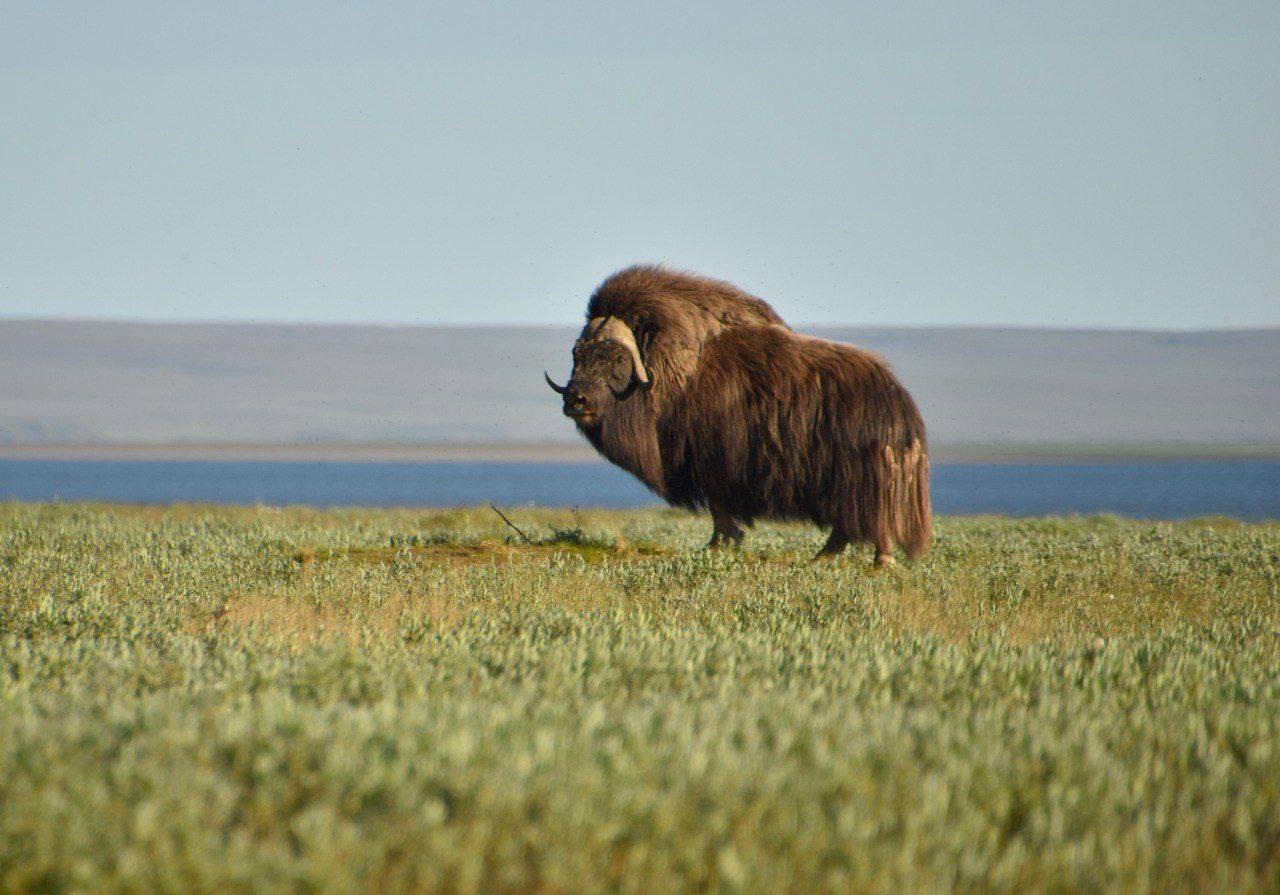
(748, 419)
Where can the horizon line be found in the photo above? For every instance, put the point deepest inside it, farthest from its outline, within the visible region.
(477, 325)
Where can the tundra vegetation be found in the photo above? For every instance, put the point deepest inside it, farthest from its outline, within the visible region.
(197, 699)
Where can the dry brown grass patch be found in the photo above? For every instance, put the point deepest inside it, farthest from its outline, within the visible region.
(486, 552)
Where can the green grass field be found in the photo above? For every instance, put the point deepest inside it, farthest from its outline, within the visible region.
(220, 700)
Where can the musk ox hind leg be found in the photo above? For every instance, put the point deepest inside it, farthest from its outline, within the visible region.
(835, 544)
(838, 541)
(884, 552)
(726, 531)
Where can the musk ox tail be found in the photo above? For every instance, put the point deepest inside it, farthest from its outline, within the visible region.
(903, 514)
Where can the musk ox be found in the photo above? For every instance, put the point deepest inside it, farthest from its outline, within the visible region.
(703, 393)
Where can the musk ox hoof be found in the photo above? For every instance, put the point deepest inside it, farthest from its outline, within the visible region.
(884, 561)
(725, 532)
(724, 542)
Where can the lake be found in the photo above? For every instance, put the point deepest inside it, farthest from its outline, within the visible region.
(1245, 489)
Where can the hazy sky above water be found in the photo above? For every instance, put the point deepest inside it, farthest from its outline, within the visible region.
(1103, 164)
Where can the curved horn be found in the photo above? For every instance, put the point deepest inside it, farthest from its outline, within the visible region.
(558, 389)
(615, 329)
(626, 392)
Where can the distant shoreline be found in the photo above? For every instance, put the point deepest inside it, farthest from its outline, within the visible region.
(570, 452)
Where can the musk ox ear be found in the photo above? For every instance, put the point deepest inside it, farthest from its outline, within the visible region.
(614, 329)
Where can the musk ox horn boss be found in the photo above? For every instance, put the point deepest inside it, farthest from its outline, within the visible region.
(702, 392)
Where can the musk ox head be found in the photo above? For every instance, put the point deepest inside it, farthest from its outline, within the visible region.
(607, 369)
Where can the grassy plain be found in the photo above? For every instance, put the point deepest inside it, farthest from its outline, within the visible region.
(258, 700)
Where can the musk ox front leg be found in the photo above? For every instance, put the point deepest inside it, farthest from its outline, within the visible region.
(726, 532)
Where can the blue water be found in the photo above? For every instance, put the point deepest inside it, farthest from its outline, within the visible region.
(1246, 489)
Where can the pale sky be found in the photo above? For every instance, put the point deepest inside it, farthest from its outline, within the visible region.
(1087, 165)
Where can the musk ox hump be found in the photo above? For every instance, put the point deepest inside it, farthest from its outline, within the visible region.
(673, 315)
(648, 292)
